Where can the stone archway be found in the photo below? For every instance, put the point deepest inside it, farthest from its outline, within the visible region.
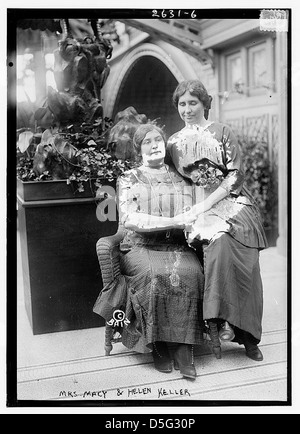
(148, 86)
(145, 78)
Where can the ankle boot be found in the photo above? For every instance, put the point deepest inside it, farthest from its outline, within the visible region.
(252, 350)
(161, 357)
(214, 337)
(184, 360)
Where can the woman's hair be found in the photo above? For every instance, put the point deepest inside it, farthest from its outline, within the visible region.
(142, 131)
(196, 88)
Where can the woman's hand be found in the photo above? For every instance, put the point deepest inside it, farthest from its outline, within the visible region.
(142, 222)
(188, 218)
(185, 219)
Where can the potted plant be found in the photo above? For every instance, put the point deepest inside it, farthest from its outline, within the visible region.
(60, 175)
(64, 155)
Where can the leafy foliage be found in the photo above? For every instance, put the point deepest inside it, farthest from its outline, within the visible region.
(260, 178)
(68, 137)
(97, 164)
(75, 153)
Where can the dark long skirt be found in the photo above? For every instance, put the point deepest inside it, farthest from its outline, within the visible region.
(164, 287)
(233, 286)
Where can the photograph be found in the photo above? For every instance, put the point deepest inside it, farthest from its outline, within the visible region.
(148, 249)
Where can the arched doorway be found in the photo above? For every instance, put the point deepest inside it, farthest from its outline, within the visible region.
(148, 86)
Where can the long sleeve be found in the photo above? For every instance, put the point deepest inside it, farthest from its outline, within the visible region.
(136, 210)
(233, 182)
(128, 202)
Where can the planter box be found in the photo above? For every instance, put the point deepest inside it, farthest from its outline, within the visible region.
(52, 190)
(61, 274)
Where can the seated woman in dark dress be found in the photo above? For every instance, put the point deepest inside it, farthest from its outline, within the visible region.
(161, 278)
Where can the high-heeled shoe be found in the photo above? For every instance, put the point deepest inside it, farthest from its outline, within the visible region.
(161, 357)
(226, 332)
(214, 337)
(184, 361)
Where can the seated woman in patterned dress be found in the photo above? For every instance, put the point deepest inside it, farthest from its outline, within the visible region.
(225, 220)
(161, 276)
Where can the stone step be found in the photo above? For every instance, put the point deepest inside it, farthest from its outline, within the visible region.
(132, 376)
(123, 359)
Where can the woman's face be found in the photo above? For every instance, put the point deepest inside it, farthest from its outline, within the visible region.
(190, 109)
(153, 148)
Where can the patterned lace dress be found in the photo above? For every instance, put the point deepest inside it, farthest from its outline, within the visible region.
(161, 277)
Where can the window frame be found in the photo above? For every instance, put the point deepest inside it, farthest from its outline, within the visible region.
(245, 49)
(228, 72)
(270, 58)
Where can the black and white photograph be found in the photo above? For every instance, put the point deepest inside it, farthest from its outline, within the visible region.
(149, 226)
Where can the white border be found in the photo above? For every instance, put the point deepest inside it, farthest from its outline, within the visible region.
(212, 4)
